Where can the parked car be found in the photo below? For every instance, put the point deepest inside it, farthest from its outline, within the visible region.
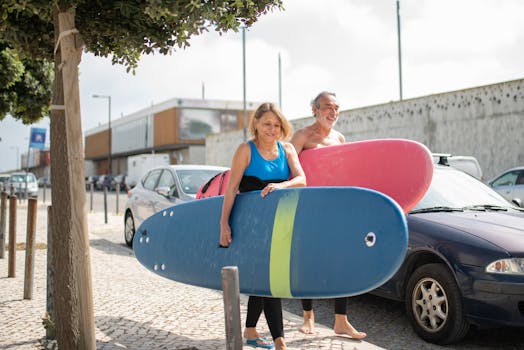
(510, 184)
(91, 180)
(3, 181)
(465, 261)
(19, 180)
(163, 187)
(468, 164)
(44, 181)
(121, 181)
(105, 181)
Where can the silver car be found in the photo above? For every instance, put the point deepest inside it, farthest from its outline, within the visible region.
(510, 184)
(18, 182)
(163, 187)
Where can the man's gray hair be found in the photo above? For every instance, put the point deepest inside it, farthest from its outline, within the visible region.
(316, 101)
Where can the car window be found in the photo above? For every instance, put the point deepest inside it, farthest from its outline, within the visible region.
(166, 179)
(191, 180)
(455, 189)
(507, 179)
(520, 178)
(17, 178)
(151, 179)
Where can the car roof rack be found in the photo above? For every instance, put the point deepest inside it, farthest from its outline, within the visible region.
(441, 158)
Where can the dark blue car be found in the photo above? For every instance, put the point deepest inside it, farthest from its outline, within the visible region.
(465, 261)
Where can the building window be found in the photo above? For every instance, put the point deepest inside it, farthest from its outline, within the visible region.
(195, 124)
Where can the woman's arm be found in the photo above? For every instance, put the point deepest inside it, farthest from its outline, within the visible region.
(238, 166)
(297, 177)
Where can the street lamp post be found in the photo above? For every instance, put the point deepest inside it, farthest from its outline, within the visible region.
(244, 78)
(109, 131)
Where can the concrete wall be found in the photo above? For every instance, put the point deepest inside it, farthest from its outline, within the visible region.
(486, 122)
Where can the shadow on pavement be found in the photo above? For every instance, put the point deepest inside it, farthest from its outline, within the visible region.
(109, 247)
(129, 334)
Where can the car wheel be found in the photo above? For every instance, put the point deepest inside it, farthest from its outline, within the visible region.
(434, 305)
(129, 229)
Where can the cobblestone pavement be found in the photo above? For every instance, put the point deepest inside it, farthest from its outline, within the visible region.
(133, 308)
(136, 309)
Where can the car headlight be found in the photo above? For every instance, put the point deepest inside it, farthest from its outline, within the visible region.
(513, 266)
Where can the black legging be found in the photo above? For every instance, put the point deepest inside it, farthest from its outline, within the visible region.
(340, 305)
(272, 306)
(272, 310)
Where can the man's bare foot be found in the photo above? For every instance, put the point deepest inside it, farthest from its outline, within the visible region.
(308, 327)
(342, 326)
(280, 344)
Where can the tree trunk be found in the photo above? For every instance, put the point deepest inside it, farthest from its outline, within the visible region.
(73, 302)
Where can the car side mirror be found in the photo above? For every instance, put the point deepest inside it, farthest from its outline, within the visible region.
(517, 202)
(163, 191)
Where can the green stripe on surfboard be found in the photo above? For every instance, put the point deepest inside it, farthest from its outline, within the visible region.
(280, 254)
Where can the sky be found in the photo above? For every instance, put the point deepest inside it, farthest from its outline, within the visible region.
(349, 47)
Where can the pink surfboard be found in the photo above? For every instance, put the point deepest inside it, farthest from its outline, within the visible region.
(402, 169)
(216, 186)
(399, 168)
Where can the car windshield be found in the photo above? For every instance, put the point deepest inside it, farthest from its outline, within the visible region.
(192, 179)
(21, 178)
(454, 190)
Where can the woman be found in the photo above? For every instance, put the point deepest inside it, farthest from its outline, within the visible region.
(267, 164)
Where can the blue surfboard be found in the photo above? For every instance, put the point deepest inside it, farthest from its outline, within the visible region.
(311, 242)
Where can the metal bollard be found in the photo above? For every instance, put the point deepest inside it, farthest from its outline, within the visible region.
(30, 248)
(105, 205)
(231, 296)
(3, 213)
(117, 190)
(91, 189)
(44, 188)
(11, 270)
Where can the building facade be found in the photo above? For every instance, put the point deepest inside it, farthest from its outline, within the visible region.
(177, 127)
(486, 122)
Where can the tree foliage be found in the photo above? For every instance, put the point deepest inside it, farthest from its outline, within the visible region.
(125, 29)
(25, 86)
(122, 29)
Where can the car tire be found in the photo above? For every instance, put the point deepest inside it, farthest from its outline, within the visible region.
(129, 229)
(433, 305)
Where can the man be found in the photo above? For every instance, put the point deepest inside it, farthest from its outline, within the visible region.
(320, 134)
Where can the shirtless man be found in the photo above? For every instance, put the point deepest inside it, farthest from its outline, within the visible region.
(320, 134)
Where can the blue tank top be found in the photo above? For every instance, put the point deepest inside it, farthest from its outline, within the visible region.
(276, 169)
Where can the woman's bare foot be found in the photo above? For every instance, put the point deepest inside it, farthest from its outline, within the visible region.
(308, 327)
(342, 326)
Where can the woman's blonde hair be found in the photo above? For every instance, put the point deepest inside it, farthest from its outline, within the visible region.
(285, 126)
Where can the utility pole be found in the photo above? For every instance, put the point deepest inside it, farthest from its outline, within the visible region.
(279, 82)
(399, 50)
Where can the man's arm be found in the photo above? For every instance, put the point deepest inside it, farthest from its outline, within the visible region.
(298, 140)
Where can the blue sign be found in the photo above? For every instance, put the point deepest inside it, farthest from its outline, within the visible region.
(37, 138)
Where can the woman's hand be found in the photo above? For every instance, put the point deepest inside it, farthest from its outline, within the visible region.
(270, 188)
(225, 235)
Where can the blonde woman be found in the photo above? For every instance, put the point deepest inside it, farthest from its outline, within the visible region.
(264, 163)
